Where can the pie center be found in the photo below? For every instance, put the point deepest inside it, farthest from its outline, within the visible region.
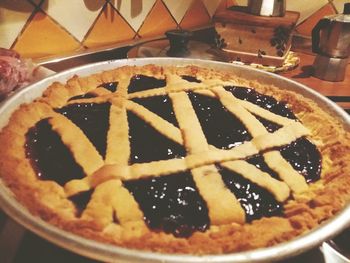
(177, 202)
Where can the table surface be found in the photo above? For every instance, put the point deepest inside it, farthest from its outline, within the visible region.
(337, 91)
(20, 246)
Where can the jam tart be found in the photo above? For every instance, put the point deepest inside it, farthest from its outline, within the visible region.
(176, 160)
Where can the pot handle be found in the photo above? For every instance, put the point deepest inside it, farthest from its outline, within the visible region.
(323, 23)
(178, 40)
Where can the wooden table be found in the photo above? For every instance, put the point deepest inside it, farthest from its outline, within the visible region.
(339, 92)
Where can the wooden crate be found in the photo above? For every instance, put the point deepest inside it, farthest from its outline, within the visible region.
(254, 39)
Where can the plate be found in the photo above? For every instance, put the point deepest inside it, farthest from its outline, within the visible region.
(111, 253)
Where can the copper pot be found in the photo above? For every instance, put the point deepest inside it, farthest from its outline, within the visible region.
(267, 7)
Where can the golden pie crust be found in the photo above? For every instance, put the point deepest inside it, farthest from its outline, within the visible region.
(306, 205)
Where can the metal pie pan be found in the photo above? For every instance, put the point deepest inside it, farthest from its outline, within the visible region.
(111, 253)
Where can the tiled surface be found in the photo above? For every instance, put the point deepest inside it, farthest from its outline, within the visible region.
(43, 37)
(307, 25)
(13, 19)
(243, 2)
(76, 17)
(195, 15)
(38, 28)
(110, 27)
(211, 6)
(305, 7)
(178, 8)
(157, 21)
(339, 5)
(135, 11)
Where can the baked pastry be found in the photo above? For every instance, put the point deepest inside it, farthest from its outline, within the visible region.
(176, 160)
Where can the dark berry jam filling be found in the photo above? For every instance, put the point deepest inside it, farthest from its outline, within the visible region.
(147, 144)
(225, 131)
(259, 162)
(83, 96)
(221, 128)
(190, 79)
(171, 203)
(142, 82)
(111, 86)
(301, 154)
(92, 119)
(305, 158)
(269, 125)
(266, 102)
(256, 201)
(80, 200)
(161, 105)
(50, 158)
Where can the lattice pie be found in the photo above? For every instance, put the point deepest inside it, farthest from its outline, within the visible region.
(177, 160)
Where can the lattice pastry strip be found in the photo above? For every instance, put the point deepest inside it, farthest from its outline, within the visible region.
(224, 208)
(147, 93)
(97, 100)
(161, 125)
(286, 172)
(207, 179)
(118, 146)
(194, 139)
(118, 152)
(268, 115)
(255, 127)
(273, 158)
(211, 156)
(177, 84)
(252, 108)
(110, 193)
(279, 189)
(109, 200)
(69, 132)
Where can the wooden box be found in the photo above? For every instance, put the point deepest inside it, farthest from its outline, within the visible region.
(254, 39)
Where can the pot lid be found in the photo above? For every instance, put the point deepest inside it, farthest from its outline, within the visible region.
(177, 43)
